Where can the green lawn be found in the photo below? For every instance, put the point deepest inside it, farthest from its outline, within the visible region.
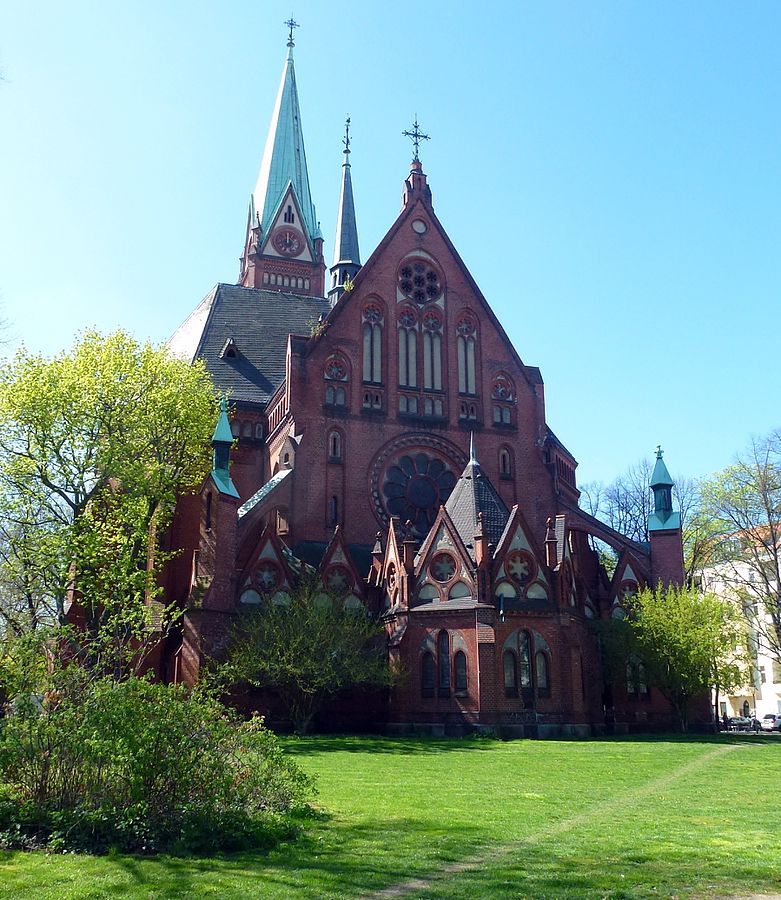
(475, 819)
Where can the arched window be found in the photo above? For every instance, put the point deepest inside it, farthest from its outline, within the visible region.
(459, 665)
(334, 447)
(541, 671)
(408, 349)
(524, 652)
(372, 344)
(466, 355)
(336, 369)
(432, 351)
(236, 428)
(510, 674)
(505, 463)
(209, 511)
(443, 663)
(333, 511)
(427, 675)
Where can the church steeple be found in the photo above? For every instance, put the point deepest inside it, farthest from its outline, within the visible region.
(284, 246)
(663, 517)
(347, 257)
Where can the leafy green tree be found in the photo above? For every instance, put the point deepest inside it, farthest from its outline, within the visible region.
(744, 503)
(690, 644)
(95, 446)
(306, 651)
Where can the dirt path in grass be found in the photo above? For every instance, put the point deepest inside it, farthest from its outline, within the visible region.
(403, 888)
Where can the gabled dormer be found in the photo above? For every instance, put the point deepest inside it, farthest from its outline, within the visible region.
(521, 575)
(338, 574)
(444, 568)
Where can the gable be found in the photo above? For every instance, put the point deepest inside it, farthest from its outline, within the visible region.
(287, 236)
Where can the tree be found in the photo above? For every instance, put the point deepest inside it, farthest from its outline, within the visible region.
(689, 643)
(306, 650)
(744, 502)
(95, 446)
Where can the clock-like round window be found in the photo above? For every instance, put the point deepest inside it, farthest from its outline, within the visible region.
(443, 567)
(419, 281)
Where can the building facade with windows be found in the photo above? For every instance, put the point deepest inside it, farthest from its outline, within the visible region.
(388, 435)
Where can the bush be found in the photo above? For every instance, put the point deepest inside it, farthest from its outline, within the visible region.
(143, 767)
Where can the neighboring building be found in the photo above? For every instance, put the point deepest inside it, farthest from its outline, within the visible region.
(762, 695)
(391, 437)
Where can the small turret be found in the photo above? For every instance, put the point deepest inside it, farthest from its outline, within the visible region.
(664, 529)
(347, 256)
(222, 441)
(662, 517)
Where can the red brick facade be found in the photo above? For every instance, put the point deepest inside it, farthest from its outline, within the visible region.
(359, 446)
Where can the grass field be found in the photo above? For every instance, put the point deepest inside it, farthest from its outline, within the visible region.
(475, 819)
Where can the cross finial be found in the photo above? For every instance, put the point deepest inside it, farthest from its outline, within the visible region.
(346, 139)
(417, 136)
(659, 451)
(291, 24)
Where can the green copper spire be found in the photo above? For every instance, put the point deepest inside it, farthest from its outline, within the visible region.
(222, 440)
(284, 159)
(663, 517)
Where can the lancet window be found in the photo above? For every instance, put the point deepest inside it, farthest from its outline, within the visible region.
(466, 331)
(372, 343)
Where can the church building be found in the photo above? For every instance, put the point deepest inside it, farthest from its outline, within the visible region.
(381, 429)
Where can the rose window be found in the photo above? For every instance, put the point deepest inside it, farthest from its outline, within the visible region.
(267, 576)
(414, 487)
(335, 369)
(466, 326)
(503, 389)
(419, 281)
(432, 321)
(521, 567)
(337, 580)
(407, 318)
(372, 313)
(442, 567)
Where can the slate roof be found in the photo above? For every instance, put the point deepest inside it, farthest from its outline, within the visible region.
(473, 494)
(259, 322)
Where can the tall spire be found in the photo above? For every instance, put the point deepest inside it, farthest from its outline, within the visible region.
(347, 257)
(284, 159)
(283, 247)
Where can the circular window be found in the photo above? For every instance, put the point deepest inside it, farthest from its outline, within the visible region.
(414, 487)
(337, 580)
(335, 368)
(466, 326)
(419, 226)
(521, 567)
(419, 281)
(372, 313)
(432, 321)
(503, 388)
(408, 318)
(267, 576)
(442, 567)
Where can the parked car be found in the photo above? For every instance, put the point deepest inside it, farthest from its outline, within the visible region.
(739, 723)
(771, 722)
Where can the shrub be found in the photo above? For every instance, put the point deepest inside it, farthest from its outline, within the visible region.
(143, 767)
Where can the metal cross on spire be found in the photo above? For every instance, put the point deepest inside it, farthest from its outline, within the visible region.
(346, 139)
(417, 136)
(291, 24)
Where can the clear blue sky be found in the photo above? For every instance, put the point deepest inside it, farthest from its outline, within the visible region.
(610, 173)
